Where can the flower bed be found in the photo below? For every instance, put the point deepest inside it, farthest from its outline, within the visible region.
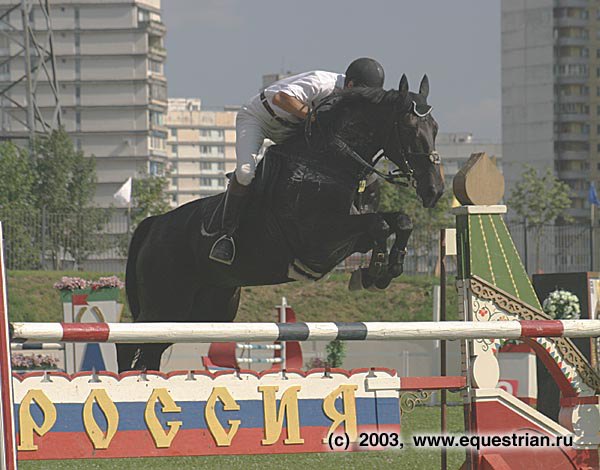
(26, 362)
(77, 283)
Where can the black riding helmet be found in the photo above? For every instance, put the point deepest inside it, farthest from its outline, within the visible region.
(365, 72)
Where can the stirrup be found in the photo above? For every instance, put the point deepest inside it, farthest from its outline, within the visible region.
(223, 250)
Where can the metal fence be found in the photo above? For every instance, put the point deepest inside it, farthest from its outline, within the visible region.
(40, 240)
(551, 248)
(96, 241)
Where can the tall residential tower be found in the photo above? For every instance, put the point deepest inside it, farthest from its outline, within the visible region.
(551, 92)
(110, 71)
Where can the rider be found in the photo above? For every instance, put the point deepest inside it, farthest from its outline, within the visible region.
(275, 114)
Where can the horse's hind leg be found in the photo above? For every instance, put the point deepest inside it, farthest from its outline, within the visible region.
(216, 304)
(140, 356)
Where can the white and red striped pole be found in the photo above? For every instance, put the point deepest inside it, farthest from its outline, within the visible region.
(273, 332)
(9, 449)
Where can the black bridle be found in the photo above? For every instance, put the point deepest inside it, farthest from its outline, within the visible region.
(406, 172)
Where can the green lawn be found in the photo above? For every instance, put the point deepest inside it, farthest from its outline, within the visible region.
(31, 297)
(421, 420)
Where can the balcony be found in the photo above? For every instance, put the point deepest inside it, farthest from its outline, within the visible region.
(157, 52)
(572, 98)
(571, 80)
(572, 155)
(571, 3)
(153, 27)
(571, 21)
(562, 117)
(571, 41)
(158, 153)
(573, 174)
(571, 137)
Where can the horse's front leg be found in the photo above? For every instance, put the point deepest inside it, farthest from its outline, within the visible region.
(372, 277)
(402, 227)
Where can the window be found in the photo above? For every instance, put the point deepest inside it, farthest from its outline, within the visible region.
(143, 15)
(174, 149)
(158, 91)
(157, 118)
(155, 66)
(158, 141)
(155, 168)
(205, 181)
(5, 69)
(173, 132)
(212, 149)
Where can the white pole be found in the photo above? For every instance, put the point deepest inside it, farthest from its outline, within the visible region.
(272, 332)
(283, 319)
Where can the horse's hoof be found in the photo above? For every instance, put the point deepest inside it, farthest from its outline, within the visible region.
(378, 265)
(382, 284)
(355, 282)
(396, 270)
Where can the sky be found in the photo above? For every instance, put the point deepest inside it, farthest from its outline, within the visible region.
(218, 50)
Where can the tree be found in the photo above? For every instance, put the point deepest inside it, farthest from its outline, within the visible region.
(64, 186)
(426, 222)
(17, 211)
(149, 197)
(336, 352)
(539, 200)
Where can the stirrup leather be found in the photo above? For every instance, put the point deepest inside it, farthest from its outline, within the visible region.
(223, 239)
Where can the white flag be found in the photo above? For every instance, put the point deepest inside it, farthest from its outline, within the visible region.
(123, 195)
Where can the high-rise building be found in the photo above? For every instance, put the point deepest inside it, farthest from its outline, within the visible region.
(551, 92)
(201, 148)
(113, 92)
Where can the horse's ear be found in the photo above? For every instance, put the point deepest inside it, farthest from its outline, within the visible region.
(424, 87)
(403, 87)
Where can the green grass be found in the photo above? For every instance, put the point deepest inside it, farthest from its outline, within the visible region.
(31, 297)
(423, 420)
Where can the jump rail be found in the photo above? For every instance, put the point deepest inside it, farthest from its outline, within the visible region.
(225, 332)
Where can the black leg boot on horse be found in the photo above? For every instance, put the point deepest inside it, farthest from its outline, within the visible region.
(223, 250)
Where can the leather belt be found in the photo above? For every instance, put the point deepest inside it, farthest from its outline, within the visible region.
(265, 103)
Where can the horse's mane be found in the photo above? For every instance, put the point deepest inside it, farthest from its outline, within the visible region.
(370, 96)
(329, 110)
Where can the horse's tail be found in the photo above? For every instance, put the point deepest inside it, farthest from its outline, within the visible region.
(139, 235)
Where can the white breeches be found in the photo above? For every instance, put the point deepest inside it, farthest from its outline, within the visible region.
(251, 131)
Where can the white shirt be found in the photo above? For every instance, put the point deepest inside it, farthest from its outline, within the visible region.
(308, 88)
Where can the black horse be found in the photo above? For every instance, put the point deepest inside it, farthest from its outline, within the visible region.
(299, 223)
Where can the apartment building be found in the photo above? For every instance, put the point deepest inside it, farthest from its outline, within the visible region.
(551, 92)
(201, 149)
(110, 67)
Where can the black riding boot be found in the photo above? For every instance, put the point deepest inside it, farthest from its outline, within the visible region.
(223, 250)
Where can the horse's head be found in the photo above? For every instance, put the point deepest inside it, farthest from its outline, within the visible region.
(411, 145)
